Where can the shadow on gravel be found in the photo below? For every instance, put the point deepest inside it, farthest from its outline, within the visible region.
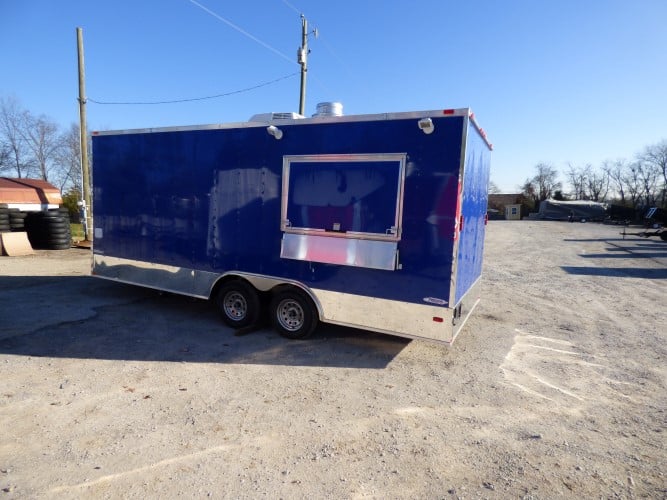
(623, 253)
(618, 272)
(634, 241)
(593, 239)
(638, 248)
(88, 318)
(13, 284)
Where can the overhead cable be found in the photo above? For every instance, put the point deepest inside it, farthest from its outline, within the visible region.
(242, 31)
(196, 98)
(292, 7)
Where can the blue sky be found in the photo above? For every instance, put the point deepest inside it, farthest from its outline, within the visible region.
(550, 81)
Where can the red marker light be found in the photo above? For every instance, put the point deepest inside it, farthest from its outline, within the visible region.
(449, 112)
(438, 319)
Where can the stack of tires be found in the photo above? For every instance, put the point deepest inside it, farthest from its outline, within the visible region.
(17, 219)
(4, 220)
(49, 230)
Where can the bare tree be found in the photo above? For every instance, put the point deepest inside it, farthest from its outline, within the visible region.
(598, 184)
(545, 181)
(17, 160)
(648, 178)
(655, 157)
(67, 158)
(43, 139)
(493, 188)
(5, 157)
(633, 183)
(529, 191)
(648, 174)
(578, 177)
(616, 172)
(33, 146)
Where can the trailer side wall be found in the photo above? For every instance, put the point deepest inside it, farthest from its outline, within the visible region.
(178, 209)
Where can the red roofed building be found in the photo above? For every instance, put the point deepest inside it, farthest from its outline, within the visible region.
(29, 194)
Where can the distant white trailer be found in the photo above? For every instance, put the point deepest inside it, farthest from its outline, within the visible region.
(572, 210)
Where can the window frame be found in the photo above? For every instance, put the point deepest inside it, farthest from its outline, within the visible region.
(393, 233)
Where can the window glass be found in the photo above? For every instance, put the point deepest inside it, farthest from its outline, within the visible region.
(343, 196)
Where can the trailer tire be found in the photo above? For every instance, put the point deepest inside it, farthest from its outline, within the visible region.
(663, 236)
(238, 303)
(60, 246)
(54, 230)
(293, 314)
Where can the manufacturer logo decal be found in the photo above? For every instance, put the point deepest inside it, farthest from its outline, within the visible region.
(434, 300)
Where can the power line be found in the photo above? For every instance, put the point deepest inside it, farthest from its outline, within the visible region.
(292, 7)
(196, 98)
(331, 51)
(242, 31)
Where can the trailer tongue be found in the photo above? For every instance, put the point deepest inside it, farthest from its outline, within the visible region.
(371, 221)
(660, 233)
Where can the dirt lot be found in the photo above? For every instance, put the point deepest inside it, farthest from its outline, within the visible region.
(556, 388)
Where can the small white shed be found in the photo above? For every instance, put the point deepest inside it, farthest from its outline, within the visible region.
(513, 212)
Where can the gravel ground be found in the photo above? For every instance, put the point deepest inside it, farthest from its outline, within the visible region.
(557, 386)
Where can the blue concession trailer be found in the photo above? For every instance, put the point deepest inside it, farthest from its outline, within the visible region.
(370, 221)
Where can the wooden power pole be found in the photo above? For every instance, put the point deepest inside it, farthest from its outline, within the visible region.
(85, 166)
(302, 58)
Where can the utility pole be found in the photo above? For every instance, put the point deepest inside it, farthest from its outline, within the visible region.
(85, 167)
(302, 59)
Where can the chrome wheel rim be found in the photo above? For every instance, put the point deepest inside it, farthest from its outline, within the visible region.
(235, 306)
(290, 315)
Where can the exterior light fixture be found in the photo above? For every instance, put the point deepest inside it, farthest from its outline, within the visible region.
(275, 132)
(426, 125)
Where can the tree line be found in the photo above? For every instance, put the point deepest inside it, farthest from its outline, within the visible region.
(36, 147)
(637, 183)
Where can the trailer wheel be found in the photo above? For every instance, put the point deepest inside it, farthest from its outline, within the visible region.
(238, 303)
(293, 314)
(663, 236)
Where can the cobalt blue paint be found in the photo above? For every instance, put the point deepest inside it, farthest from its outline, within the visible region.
(210, 200)
(473, 210)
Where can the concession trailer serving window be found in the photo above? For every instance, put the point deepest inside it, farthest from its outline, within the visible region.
(343, 209)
